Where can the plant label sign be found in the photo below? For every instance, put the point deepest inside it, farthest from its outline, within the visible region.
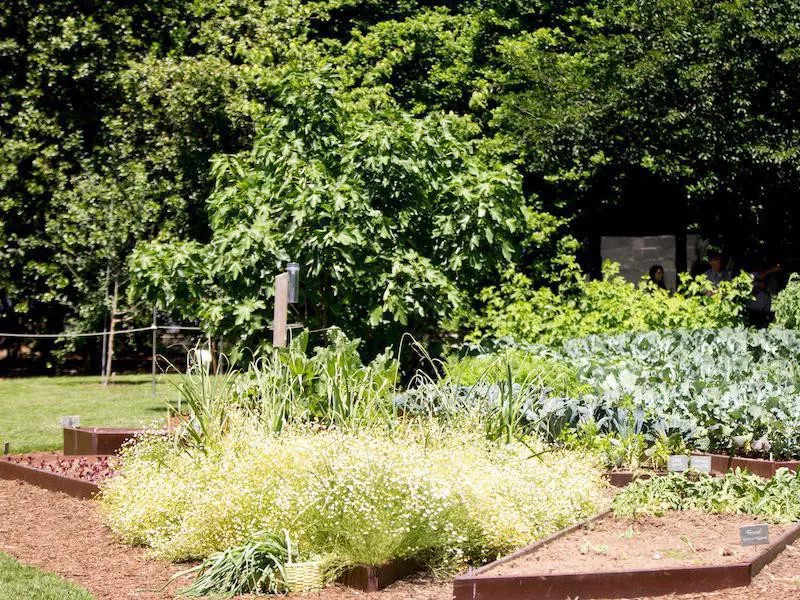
(73, 421)
(701, 464)
(752, 535)
(677, 463)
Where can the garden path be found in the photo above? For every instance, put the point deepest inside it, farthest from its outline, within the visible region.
(66, 536)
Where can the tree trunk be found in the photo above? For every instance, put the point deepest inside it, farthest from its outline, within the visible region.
(112, 327)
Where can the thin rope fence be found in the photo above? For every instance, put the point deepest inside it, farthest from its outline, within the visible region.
(97, 333)
(135, 330)
(154, 328)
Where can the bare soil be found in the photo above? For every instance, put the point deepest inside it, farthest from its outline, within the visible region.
(678, 539)
(66, 536)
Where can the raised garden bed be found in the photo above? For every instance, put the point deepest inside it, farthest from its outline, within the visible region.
(722, 463)
(77, 476)
(372, 579)
(606, 557)
(623, 478)
(96, 440)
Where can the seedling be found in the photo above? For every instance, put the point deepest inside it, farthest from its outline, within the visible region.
(686, 541)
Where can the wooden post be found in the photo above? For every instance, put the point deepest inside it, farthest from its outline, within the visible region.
(281, 314)
(103, 351)
(212, 347)
(111, 328)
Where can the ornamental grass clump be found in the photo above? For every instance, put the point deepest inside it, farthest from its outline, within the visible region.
(445, 498)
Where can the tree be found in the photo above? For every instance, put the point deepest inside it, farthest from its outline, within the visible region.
(395, 219)
(110, 115)
(695, 100)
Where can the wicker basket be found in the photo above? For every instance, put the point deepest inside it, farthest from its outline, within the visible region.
(304, 576)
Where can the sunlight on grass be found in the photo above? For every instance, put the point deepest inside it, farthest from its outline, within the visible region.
(18, 581)
(30, 408)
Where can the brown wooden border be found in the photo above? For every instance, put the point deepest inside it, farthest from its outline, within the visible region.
(84, 441)
(374, 578)
(50, 481)
(623, 478)
(477, 585)
(722, 463)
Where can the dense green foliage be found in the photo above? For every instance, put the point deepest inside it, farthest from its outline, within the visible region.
(524, 366)
(395, 220)
(776, 499)
(112, 113)
(519, 310)
(693, 103)
(787, 305)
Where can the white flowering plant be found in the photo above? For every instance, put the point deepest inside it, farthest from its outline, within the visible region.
(352, 497)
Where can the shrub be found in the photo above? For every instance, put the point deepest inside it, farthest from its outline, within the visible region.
(776, 499)
(355, 497)
(787, 305)
(611, 305)
(526, 366)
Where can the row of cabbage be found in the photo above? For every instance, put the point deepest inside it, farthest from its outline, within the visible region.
(638, 395)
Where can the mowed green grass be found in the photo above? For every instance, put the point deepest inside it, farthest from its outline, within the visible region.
(18, 581)
(31, 408)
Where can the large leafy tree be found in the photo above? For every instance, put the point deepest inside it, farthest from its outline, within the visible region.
(395, 219)
(694, 102)
(110, 114)
(58, 65)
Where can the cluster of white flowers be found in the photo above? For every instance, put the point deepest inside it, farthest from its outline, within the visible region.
(356, 497)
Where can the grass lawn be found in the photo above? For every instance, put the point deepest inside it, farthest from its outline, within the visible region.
(30, 408)
(18, 581)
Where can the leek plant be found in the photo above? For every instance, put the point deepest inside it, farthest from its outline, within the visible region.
(207, 398)
(255, 567)
(332, 387)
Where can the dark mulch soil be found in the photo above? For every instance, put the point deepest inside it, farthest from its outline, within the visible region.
(66, 536)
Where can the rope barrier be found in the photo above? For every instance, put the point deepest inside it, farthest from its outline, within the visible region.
(96, 333)
(121, 331)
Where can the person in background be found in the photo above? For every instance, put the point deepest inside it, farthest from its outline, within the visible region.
(657, 276)
(759, 307)
(716, 274)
